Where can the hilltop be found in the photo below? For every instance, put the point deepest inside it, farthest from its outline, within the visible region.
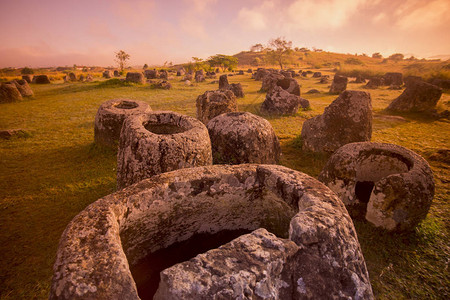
(351, 64)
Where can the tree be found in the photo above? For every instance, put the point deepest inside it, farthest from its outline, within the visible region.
(396, 57)
(256, 62)
(121, 58)
(279, 51)
(377, 55)
(257, 48)
(145, 67)
(223, 61)
(199, 64)
(27, 71)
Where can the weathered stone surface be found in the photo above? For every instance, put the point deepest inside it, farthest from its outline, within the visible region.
(158, 142)
(72, 76)
(9, 133)
(270, 81)
(41, 79)
(261, 73)
(163, 74)
(27, 78)
(418, 96)
(280, 102)
(324, 80)
(286, 74)
(313, 91)
(117, 231)
(181, 72)
(110, 117)
(223, 81)
(199, 78)
(442, 83)
(24, 88)
(242, 137)
(163, 84)
(391, 186)
(375, 82)
(393, 78)
(339, 84)
(253, 266)
(347, 119)
(237, 90)
(151, 74)
(9, 93)
(359, 79)
(107, 74)
(304, 103)
(411, 79)
(317, 75)
(211, 75)
(290, 85)
(213, 103)
(188, 77)
(135, 77)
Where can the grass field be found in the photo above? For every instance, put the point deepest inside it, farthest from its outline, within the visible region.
(53, 174)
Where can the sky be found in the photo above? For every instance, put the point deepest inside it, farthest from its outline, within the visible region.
(44, 33)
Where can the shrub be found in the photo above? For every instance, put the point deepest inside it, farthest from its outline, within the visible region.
(353, 61)
(27, 71)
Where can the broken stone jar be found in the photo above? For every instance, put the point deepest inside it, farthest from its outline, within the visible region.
(117, 247)
(390, 186)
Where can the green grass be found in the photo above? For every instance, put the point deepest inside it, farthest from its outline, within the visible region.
(50, 175)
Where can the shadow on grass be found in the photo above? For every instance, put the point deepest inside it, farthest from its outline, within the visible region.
(39, 197)
(393, 257)
(304, 161)
(422, 117)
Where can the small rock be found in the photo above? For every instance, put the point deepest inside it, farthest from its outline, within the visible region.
(339, 84)
(213, 103)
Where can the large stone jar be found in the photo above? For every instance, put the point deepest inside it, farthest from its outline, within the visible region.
(316, 256)
(242, 137)
(390, 186)
(110, 116)
(158, 142)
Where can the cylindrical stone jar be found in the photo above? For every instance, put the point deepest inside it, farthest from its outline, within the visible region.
(242, 137)
(159, 142)
(316, 256)
(110, 117)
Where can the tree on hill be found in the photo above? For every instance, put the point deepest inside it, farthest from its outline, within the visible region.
(121, 58)
(257, 48)
(279, 51)
(396, 57)
(199, 64)
(377, 55)
(145, 67)
(223, 61)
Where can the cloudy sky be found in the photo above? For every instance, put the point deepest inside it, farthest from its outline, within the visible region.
(88, 32)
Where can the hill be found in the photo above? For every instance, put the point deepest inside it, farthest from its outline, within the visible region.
(350, 64)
